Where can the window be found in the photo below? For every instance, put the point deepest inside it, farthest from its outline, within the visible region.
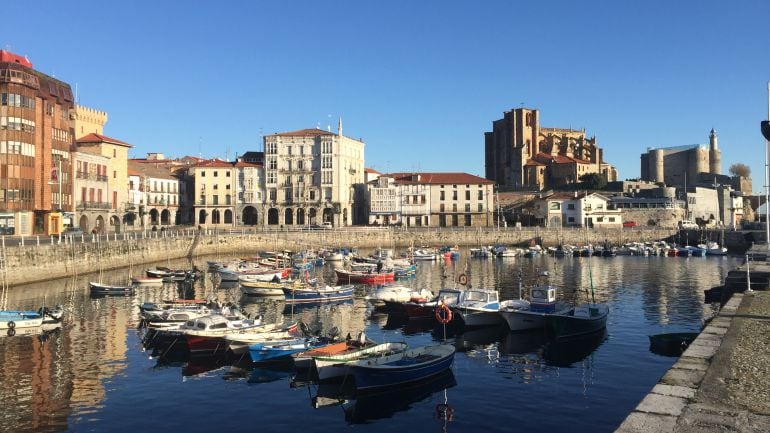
(441, 195)
(454, 207)
(467, 207)
(114, 174)
(441, 207)
(481, 194)
(216, 173)
(467, 195)
(571, 206)
(312, 195)
(227, 174)
(481, 207)
(454, 195)
(203, 173)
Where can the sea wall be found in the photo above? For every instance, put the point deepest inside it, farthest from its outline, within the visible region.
(47, 258)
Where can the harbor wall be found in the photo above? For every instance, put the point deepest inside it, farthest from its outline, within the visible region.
(40, 259)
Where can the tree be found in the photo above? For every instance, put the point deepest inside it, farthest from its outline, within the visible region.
(742, 170)
(593, 181)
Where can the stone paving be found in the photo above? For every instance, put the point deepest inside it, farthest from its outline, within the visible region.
(721, 383)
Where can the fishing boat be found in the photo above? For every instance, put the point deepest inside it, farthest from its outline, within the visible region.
(578, 320)
(396, 294)
(305, 359)
(386, 370)
(330, 367)
(478, 307)
(416, 309)
(317, 294)
(12, 319)
(99, 289)
(522, 314)
(349, 277)
(277, 350)
(258, 288)
(146, 281)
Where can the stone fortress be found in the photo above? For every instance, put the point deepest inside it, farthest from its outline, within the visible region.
(676, 166)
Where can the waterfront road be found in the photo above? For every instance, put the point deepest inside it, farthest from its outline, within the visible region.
(721, 383)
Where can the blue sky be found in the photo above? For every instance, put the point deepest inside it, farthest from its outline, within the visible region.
(419, 81)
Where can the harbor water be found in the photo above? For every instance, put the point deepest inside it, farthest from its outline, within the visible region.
(93, 374)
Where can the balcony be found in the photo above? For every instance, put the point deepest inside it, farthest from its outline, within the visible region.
(88, 205)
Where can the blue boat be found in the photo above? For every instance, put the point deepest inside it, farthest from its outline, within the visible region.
(277, 350)
(402, 367)
(317, 294)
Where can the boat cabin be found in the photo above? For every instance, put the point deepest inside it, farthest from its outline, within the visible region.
(542, 299)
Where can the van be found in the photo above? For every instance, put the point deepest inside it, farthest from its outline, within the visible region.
(687, 225)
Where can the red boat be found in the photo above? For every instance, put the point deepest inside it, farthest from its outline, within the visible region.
(344, 276)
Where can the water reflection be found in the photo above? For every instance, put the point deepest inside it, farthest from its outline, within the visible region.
(61, 381)
(386, 403)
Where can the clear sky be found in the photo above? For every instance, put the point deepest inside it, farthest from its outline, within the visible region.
(419, 81)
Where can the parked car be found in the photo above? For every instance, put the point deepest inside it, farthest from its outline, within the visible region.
(73, 231)
(630, 224)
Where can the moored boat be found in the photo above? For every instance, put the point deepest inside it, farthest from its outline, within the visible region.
(334, 366)
(578, 320)
(317, 294)
(386, 370)
(345, 276)
(478, 307)
(99, 289)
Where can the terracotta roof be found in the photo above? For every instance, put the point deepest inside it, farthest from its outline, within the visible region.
(132, 172)
(6, 56)
(439, 178)
(216, 162)
(310, 132)
(371, 170)
(159, 171)
(246, 164)
(532, 162)
(98, 138)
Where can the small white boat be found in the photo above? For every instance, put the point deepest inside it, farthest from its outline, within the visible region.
(400, 294)
(521, 314)
(478, 307)
(329, 367)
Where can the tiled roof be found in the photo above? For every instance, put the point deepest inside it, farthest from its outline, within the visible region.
(532, 162)
(98, 138)
(566, 196)
(439, 178)
(246, 164)
(310, 132)
(213, 163)
(371, 170)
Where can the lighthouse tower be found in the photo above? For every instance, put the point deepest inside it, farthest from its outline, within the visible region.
(715, 156)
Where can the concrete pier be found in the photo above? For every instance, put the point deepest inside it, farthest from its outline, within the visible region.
(721, 383)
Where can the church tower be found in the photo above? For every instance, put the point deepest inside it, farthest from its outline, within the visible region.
(715, 156)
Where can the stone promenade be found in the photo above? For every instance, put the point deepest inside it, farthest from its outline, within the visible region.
(721, 383)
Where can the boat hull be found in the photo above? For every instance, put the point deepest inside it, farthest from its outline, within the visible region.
(405, 368)
(523, 320)
(473, 318)
(321, 295)
(570, 324)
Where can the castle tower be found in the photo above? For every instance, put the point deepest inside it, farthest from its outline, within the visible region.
(715, 156)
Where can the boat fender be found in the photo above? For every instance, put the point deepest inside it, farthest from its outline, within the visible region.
(11, 332)
(443, 313)
(462, 279)
(11, 324)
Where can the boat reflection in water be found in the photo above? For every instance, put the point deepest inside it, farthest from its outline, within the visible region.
(386, 402)
(566, 352)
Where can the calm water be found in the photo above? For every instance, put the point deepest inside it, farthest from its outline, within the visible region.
(93, 375)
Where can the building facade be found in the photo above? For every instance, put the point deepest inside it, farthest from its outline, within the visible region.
(215, 189)
(250, 193)
(311, 176)
(574, 209)
(520, 154)
(154, 193)
(92, 192)
(678, 166)
(35, 140)
(117, 173)
(431, 200)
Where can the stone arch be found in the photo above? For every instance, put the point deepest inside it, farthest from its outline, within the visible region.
(301, 216)
(311, 215)
(165, 217)
(202, 216)
(99, 224)
(249, 216)
(288, 216)
(154, 217)
(328, 215)
(115, 223)
(272, 216)
(228, 216)
(83, 223)
(215, 217)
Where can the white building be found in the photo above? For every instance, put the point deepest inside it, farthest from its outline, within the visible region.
(215, 189)
(578, 209)
(311, 176)
(250, 193)
(431, 199)
(91, 192)
(155, 193)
